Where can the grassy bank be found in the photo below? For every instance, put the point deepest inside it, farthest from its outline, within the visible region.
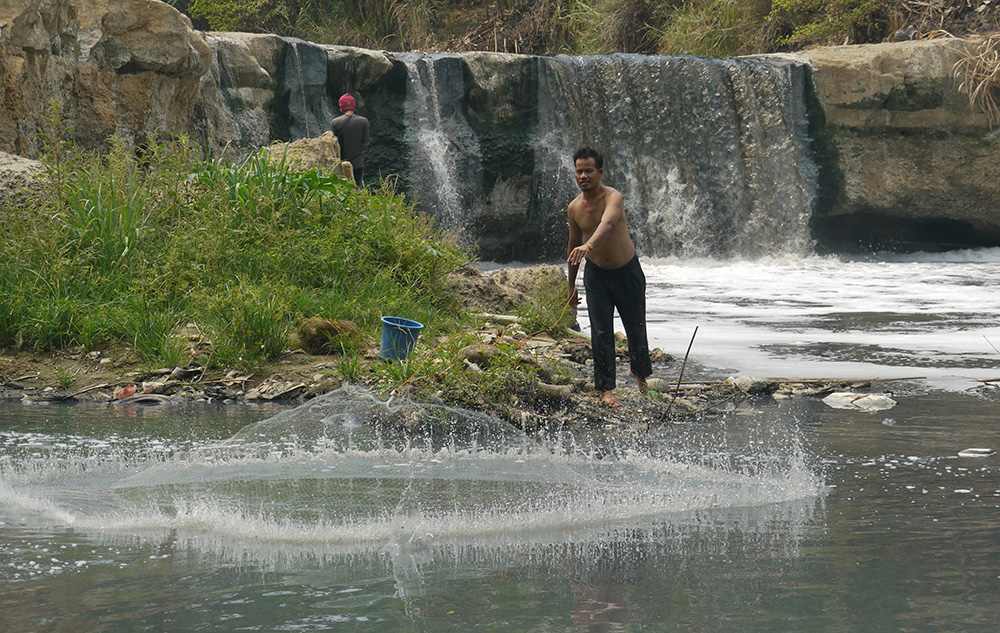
(139, 248)
(701, 27)
(130, 246)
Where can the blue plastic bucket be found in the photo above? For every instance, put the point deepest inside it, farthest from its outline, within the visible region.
(399, 335)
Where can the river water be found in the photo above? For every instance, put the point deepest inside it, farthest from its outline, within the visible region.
(773, 516)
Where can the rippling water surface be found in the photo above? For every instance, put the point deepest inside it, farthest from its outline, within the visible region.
(787, 516)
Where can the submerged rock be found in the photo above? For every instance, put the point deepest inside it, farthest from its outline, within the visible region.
(859, 402)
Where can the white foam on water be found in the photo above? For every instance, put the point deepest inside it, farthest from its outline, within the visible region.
(923, 315)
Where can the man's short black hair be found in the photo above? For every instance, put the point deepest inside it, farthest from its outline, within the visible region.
(589, 152)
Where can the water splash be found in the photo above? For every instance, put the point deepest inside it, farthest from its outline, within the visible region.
(348, 475)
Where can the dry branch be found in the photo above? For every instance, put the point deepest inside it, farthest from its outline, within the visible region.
(978, 73)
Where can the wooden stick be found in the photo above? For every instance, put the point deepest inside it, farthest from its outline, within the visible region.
(992, 345)
(680, 377)
(101, 385)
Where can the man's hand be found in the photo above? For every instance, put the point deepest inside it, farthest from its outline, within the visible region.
(573, 297)
(577, 254)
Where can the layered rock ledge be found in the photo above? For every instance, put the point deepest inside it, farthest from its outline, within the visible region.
(908, 164)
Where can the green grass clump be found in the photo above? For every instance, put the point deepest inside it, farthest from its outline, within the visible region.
(831, 21)
(550, 312)
(128, 246)
(716, 28)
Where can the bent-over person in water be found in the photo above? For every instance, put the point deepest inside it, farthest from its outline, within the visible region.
(352, 132)
(612, 276)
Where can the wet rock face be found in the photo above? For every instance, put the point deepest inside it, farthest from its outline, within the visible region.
(911, 166)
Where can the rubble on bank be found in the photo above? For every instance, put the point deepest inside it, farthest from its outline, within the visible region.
(559, 388)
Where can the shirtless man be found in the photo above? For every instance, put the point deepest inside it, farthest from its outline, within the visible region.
(612, 275)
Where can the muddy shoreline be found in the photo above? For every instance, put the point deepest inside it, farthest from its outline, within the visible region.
(556, 386)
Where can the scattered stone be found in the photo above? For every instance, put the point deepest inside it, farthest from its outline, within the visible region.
(154, 387)
(977, 452)
(185, 373)
(657, 355)
(221, 392)
(280, 390)
(657, 384)
(750, 385)
(904, 35)
(319, 336)
(577, 351)
(125, 391)
(859, 402)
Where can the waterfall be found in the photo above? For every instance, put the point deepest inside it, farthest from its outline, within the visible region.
(446, 162)
(310, 106)
(711, 155)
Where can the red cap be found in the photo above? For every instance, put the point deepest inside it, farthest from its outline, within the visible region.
(346, 103)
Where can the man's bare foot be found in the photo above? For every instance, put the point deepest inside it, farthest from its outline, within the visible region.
(610, 399)
(643, 388)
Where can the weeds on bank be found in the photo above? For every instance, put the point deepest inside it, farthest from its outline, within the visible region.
(716, 28)
(65, 378)
(832, 21)
(129, 246)
(703, 27)
(550, 313)
(978, 73)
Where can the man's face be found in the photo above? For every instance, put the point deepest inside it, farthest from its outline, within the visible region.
(588, 176)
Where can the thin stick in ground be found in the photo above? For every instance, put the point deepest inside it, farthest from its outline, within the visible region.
(681, 376)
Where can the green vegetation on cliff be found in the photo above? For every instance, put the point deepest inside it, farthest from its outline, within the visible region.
(702, 27)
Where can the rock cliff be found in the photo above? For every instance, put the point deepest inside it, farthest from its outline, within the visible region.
(908, 164)
(902, 160)
(126, 67)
